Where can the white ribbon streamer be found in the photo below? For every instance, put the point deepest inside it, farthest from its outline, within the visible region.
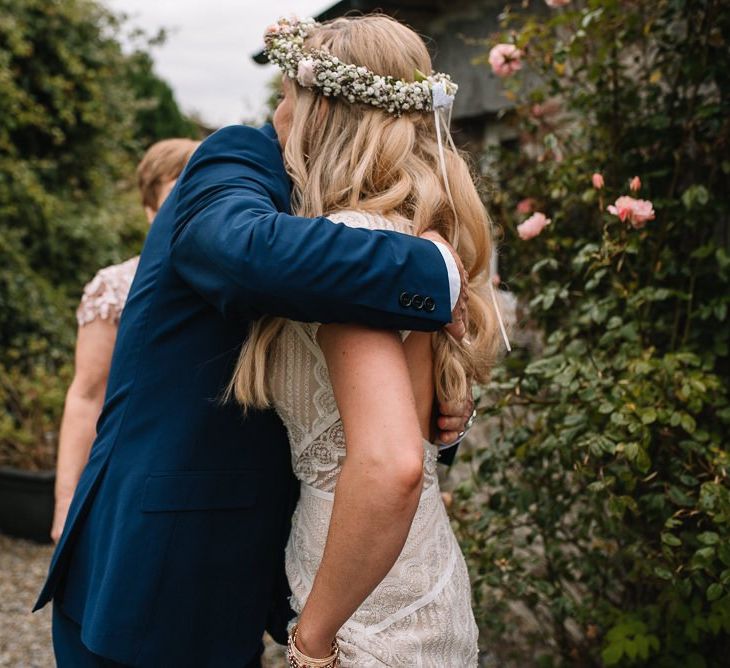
(444, 175)
(442, 101)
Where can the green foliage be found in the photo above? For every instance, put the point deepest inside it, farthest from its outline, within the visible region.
(76, 114)
(34, 400)
(158, 116)
(602, 502)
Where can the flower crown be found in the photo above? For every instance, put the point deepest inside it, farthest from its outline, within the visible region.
(319, 69)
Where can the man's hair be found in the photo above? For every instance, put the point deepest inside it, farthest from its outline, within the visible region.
(163, 161)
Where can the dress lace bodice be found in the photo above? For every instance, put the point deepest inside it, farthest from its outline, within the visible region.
(420, 615)
(106, 294)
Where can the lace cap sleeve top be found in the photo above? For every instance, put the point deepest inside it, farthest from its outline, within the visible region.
(104, 296)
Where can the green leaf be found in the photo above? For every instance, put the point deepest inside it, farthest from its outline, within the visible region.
(590, 17)
(670, 539)
(695, 195)
(642, 646)
(548, 366)
(612, 654)
(663, 573)
(688, 423)
(549, 262)
(632, 450)
(630, 648)
(643, 461)
(677, 496)
(723, 552)
(714, 591)
(708, 538)
(705, 553)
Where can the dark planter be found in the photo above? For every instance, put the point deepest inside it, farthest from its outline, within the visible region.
(26, 503)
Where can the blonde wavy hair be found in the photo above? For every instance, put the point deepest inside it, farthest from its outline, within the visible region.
(343, 156)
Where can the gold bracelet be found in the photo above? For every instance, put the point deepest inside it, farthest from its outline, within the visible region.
(298, 659)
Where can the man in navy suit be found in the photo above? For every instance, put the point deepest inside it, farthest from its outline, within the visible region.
(172, 553)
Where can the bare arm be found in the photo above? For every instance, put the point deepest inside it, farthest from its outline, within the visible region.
(84, 400)
(380, 483)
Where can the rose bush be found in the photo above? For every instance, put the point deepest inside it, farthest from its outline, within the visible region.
(596, 523)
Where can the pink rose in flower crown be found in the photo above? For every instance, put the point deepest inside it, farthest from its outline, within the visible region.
(532, 226)
(635, 184)
(525, 206)
(597, 180)
(505, 59)
(273, 29)
(635, 211)
(305, 72)
(557, 3)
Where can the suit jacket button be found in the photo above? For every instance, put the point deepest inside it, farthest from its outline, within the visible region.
(406, 299)
(417, 302)
(429, 304)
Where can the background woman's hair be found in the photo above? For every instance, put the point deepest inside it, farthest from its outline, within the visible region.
(163, 162)
(352, 156)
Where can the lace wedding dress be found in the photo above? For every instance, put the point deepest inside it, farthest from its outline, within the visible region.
(420, 614)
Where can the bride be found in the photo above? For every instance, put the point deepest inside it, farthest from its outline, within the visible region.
(392, 586)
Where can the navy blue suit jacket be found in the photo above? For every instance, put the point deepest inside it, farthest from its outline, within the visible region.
(172, 554)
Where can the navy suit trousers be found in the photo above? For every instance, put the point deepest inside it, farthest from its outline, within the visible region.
(69, 650)
(72, 653)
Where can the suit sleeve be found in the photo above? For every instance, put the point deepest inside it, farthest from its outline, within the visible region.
(235, 247)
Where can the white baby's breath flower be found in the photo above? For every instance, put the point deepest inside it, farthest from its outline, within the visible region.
(318, 69)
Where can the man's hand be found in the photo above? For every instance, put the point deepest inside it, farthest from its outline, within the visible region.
(453, 418)
(460, 315)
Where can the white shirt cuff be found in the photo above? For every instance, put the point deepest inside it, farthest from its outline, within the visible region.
(453, 272)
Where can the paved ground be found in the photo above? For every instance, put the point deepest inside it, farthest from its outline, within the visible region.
(25, 638)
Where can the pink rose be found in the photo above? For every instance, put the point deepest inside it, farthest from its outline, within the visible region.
(505, 59)
(496, 280)
(635, 184)
(635, 211)
(273, 29)
(622, 208)
(597, 180)
(305, 72)
(532, 226)
(556, 3)
(525, 206)
(643, 210)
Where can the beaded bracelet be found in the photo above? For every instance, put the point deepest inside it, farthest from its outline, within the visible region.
(298, 659)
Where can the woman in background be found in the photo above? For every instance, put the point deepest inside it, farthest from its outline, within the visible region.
(98, 318)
